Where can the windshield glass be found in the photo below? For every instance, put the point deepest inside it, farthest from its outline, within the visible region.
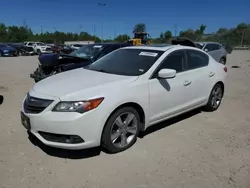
(40, 44)
(128, 62)
(89, 51)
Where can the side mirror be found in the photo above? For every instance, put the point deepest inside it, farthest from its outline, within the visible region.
(206, 50)
(167, 73)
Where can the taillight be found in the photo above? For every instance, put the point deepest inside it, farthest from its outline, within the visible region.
(225, 69)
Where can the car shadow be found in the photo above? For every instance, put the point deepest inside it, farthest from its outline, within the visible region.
(63, 153)
(169, 122)
(93, 152)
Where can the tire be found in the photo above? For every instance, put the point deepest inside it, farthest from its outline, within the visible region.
(38, 52)
(20, 53)
(124, 136)
(215, 98)
(223, 61)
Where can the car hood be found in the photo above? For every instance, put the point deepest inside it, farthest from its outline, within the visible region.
(81, 83)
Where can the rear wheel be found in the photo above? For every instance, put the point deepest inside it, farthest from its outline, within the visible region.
(215, 98)
(121, 130)
(38, 52)
(223, 61)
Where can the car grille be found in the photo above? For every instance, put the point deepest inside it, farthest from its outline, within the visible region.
(34, 105)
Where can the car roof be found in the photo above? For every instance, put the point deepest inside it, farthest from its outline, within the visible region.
(207, 42)
(159, 47)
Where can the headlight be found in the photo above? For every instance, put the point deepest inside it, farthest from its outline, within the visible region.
(77, 106)
(5, 51)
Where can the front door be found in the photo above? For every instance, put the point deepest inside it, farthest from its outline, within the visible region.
(170, 96)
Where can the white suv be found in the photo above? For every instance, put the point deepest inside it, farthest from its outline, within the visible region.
(39, 47)
(109, 102)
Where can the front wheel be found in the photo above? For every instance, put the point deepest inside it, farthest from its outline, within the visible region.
(121, 130)
(215, 98)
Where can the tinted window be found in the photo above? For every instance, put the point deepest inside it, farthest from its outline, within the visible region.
(196, 59)
(175, 60)
(128, 62)
(209, 47)
(212, 47)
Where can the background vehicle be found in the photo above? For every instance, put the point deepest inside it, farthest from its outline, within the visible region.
(51, 64)
(76, 46)
(216, 50)
(6, 50)
(61, 48)
(140, 38)
(110, 101)
(40, 47)
(22, 49)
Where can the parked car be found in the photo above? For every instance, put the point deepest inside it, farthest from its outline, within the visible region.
(216, 50)
(6, 50)
(62, 49)
(22, 49)
(113, 99)
(76, 46)
(51, 64)
(39, 47)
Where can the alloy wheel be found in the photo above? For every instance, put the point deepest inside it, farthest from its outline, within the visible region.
(124, 129)
(216, 96)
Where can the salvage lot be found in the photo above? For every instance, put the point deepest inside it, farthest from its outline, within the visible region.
(198, 149)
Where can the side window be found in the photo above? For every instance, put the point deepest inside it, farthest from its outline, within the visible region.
(209, 47)
(175, 60)
(217, 46)
(196, 59)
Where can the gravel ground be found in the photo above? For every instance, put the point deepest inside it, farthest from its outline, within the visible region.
(198, 149)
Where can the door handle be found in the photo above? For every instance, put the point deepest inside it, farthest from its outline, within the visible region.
(211, 74)
(186, 83)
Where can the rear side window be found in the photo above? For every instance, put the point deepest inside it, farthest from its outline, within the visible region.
(196, 59)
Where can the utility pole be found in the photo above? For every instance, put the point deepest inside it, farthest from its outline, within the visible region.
(175, 30)
(102, 5)
(115, 33)
(41, 29)
(80, 26)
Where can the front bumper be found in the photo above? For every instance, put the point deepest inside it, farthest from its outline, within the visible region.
(87, 126)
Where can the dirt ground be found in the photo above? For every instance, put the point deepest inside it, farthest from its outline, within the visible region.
(198, 149)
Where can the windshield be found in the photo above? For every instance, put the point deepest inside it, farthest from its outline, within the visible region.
(89, 51)
(40, 44)
(128, 62)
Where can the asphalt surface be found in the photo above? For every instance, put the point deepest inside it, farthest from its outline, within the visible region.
(198, 149)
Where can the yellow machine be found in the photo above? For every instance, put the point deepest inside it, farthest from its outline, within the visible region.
(140, 38)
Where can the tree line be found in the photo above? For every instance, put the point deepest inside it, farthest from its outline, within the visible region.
(240, 35)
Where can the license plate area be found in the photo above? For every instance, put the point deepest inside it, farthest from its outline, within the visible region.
(25, 121)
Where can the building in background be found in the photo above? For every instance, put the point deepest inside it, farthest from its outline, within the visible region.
(79, 42)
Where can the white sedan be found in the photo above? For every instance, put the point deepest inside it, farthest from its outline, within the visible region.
(109, 102)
